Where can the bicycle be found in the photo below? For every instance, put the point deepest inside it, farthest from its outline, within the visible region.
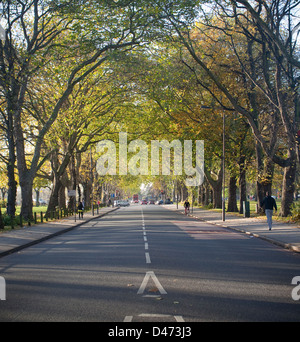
(186, 210)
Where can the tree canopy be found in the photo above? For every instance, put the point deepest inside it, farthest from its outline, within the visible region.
(73, 73)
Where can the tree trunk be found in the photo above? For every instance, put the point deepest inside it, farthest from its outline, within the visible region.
(12, 192)
(37, 197)
(207, 198)
(217, 194)
(288, 188)
(26, 184)
(12, 184)
(62, 197)
(242, 184)
(87, 194)
(1, 221)
(53, 201)
(259, 166)
(232, 206)
(216, 187)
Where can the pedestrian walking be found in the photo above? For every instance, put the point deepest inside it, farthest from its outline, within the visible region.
(80, 209)
(186, 206)
(269, 203)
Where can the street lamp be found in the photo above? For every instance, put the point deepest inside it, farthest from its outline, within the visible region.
(223, 181)
(92, 180)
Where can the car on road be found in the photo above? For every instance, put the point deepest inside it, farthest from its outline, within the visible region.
(144, 202)
(123, 204)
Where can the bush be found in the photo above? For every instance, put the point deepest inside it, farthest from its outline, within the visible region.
(7, 220)
(295, 211)
(209, 206)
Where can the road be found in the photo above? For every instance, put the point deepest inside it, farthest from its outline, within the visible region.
(150, 264)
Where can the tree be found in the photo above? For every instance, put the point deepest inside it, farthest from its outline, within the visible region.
(28, 31)
(37, 31)
(277, 33)
(264, 67)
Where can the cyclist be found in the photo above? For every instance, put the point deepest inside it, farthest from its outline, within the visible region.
(186, 207)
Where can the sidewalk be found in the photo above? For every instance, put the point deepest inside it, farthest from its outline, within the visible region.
(15, 240)
(285, 235)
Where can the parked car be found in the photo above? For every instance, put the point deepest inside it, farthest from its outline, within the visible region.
(144, 202)
(168, 201)
(151, 201)
(160, 202)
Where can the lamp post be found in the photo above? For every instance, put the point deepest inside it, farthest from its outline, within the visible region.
(92, 181)
(223, 162)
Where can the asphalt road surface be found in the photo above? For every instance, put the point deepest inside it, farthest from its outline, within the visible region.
(150, 264)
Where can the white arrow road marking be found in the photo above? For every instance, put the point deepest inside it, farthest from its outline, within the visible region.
(149, 275)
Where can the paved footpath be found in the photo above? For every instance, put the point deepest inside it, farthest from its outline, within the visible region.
(285, 235)
(19, 238)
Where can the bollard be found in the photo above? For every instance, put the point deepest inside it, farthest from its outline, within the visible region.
(42, 218)
(246, 208)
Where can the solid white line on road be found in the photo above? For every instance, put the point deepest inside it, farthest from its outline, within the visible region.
(156, 315)
(148, 261)
(145, 315)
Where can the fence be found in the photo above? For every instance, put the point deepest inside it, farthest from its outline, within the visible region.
(41, 217)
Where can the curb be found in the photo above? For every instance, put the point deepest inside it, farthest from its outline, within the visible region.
(50, 236)
(284, 245)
